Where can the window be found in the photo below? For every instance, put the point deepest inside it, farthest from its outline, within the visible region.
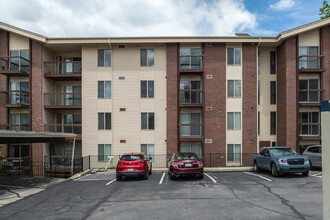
(309, 123)
(147, 121)
(65, 149)
(233, 120)
(104, 89)
(104, 57)
(309, 90)
(104, 120)
(272, 123)
(68, 123)
(272, 62)
(234, 88)
(258, 92)
(19, 63)
(19, 150)
(190, 58)
(272, 92)
(19, 121)
(104, 151)
(194, 147)
(190, 92)
(234, 56)
(147, 89)
(273, 143)
(258, 62)
(190, 124)
(20, 94)
(233, 152)
(68, 95)
(258, 123)
(147, 57)
(308, 62)
(148, 150)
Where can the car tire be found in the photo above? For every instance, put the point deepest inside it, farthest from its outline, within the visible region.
(171, 176)
(119, 178)
(305, 173)
(274, 170)
(200, 176)
(146, 175)
(256, 167)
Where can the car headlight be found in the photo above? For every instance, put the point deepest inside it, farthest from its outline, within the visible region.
(283, 161)
(306, 159)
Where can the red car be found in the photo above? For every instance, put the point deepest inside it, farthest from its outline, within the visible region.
(185, 164)
(134, 164)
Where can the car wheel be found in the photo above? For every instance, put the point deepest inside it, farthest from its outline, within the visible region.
(200, 176)
(255, 167)
(274, 170)
(171, 176)
(119, 178)
(146, 175)
(305, 173)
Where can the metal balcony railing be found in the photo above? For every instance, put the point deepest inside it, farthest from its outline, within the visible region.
(191, 62)
(194, 96)
(310, 95)
(15, 127)
(310, 62)
(15, 63)
(62, 67)
(306, 129)
(62, 99)
(191, 130)
(63, 128)
(17, 97)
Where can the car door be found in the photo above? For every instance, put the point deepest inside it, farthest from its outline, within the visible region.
(266, 161)
(318, 156)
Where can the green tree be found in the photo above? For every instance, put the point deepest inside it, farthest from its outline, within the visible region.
(325, 10)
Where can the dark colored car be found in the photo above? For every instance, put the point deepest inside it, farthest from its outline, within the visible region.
(182, 164)
(134, 164)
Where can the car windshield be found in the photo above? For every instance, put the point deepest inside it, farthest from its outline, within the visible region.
(132, 157)
(186, 157)
(282, 151)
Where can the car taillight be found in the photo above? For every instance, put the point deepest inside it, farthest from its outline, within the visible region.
(176, 164)
(200, 164)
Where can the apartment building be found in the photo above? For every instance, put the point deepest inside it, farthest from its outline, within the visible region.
(220, 96)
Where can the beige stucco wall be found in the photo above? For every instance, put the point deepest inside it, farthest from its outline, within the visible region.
(265, 108)
(18, 42)
(326, 164)
(310, 38)
(125, 94)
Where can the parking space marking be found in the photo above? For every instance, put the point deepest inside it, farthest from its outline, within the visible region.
(110, 182)
(161, 179)
(316, 174)
(81, 177)
(210, 177)
(258, 176)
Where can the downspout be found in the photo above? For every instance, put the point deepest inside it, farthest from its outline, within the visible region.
(73, 148)
(258, 71)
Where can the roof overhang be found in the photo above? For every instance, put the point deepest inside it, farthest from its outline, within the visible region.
(22, 32)
(19, 137)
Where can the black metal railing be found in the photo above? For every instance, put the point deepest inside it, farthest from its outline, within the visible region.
(15, 127)
(191, 62)
(310, 95)
(15, 97)
(15, 63)
(306, 129)
(63, 128)
(311, 62)
(191, 130)
(62, 67)
(62, 99)
(194, 96)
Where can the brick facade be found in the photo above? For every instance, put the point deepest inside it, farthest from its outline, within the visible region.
(287, 94)
(250, 108)
(215, 97)
(172, 98)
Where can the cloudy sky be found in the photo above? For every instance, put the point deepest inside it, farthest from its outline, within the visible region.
(87, 18)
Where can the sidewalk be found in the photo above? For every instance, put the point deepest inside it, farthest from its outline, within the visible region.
(13, 188)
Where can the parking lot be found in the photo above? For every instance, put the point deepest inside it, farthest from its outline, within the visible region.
(222, 195)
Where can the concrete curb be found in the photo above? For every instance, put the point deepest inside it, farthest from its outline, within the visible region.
(80, 174)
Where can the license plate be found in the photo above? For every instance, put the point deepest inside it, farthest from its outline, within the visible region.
(188, 165)
(130, 169)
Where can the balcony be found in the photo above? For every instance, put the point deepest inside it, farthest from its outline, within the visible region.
(14, 66)
(310, 97)
(62, 101)
(16, 98)
(64, 128)
(311, 63)
(191, 132)
(15, 127)
(191, 98)
(63, 70)
(192, 64)
(309, 131)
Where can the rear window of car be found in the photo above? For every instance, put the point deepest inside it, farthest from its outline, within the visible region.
(132, 157)
(186, 157)
(282, 151)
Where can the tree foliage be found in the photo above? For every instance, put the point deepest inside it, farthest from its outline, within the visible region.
(325, 10)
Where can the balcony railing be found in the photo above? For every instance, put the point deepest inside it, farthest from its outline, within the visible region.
(306, 129)
(194, 96)
(191, 130)
(15, 65)
(310, 95)
(62, 67)
(63, 99)
(63, 128)
(15, 127)
(191, 62)
(17, 97)
(310, 62)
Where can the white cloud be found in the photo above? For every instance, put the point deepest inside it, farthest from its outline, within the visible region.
(282, 5)
(77, 18)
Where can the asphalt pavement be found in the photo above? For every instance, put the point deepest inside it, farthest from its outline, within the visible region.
(220, 195)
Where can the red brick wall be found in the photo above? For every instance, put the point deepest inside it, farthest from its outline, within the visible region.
(287, 109)
(215, 97)
(4, 51)
(325, 50)
(36, 92)
(249, 91)
(172, 98)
